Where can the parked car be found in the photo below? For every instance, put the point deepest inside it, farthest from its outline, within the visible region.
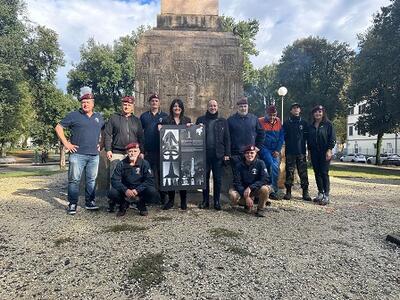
(382, 158)
(354, 158)
(393, 159)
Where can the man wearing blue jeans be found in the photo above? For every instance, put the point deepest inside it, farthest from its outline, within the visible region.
(271, 147)
(85, 126)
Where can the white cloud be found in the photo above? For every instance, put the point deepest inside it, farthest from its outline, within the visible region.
(281, 21)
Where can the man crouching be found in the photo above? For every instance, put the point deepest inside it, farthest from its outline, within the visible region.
(250, 181)
(132, 178)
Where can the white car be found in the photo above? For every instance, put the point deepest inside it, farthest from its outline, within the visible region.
(382, 158)
(354, 158)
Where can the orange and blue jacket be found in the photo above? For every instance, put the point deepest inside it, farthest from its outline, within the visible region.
(273, 134)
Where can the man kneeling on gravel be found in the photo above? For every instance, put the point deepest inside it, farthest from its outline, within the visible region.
(250, 181)
(132, 178)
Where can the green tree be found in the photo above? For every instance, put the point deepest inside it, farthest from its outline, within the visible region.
(108, 70)
(375, 79)
(315, 71)
(12, 36)
(246, 31)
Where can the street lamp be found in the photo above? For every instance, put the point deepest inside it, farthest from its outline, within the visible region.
(282, 91)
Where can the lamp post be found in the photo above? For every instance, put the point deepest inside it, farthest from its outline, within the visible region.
(282, 91)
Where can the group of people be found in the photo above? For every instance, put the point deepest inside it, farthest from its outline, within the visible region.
(250, 145)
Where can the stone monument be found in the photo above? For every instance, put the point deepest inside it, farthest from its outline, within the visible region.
(188, 56)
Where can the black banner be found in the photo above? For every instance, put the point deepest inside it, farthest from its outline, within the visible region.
(182, 157)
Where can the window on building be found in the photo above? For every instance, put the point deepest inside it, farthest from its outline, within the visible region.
(389, 147)
(351, 111)
(362, 109)
(359, 131)
(350, 130)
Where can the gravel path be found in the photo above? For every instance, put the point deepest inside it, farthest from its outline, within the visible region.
(299, 251)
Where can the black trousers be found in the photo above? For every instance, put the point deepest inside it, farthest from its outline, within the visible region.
(148, 195)
(154, 159)
(321, 171)
(299, 161)
(216, 166)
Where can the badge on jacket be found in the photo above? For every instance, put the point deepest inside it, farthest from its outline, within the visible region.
(254, 171)
(138, 171)
(301, 127)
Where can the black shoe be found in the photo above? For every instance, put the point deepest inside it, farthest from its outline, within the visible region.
(143, 212)
(273, 196)
(288, 195)
(91, 205)
(184, 204)
(306, 195)
(121, 213)
(168, 205)
(261, 213)
(204, 205)
(217, 206)
(71, 210)
(111, 208)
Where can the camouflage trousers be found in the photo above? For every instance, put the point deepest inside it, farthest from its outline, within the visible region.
(299, 161)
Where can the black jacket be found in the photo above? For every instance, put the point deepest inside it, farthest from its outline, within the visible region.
(137, 177)
(245, 130)
(221, 132)
(170, 121)
(254, 175)
(120, 131)
(296, 133)
(322, 138)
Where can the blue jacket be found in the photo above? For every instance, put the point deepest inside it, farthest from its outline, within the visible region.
(274, 135)
(244, 131)
(150, 127)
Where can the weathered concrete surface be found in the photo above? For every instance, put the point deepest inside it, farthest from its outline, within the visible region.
(191, 65)
(189, 7)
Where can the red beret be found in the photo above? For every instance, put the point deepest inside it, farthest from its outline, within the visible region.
(271, 109)
(249, 148)
(242, 101)
(132, 146)
(154, 96)
(87, 96)
(129, 99)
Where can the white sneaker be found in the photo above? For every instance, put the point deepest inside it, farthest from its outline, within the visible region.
(71, 210)
(319, 198)
(325, 200)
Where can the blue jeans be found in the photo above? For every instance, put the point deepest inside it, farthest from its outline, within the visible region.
(272, 164)
(77, 163)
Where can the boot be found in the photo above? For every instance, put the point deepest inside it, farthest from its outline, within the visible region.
(183, 204)
(169, 204)
(306, 195)
(217, 204)
(288, 194)
(204, 205)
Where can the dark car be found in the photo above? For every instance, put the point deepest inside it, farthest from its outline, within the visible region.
(393, 159)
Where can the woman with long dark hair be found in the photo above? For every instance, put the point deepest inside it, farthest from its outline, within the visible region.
(176, 117)
(321, 140)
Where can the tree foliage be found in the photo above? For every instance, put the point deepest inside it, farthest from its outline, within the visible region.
(315, 71)
(246, 31)
(376, 75)
(108, 70)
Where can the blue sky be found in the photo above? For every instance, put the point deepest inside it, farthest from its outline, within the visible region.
(281, 22)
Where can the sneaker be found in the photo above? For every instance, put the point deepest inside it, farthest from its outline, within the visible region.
(121, 212)
(71, 210)
(319, 197)
(133, 205)
(91, 206)
(261, 213)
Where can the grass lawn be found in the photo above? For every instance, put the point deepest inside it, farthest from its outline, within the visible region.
(28, 172)
(365, 172)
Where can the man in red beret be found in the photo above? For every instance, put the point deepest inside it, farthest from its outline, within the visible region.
(250, 181)
(132, 178)
(271, 146)
(121, 129)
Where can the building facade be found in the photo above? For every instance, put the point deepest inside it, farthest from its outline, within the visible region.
(366, 144)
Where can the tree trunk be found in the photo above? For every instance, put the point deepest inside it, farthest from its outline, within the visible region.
(62, 157)
(2, 150)
(378, 149)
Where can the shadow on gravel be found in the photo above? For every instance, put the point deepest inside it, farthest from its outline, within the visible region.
(372, 180)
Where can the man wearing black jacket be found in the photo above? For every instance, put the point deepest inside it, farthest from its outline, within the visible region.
(218, 150)
(296, 134)
(250, 181)
(121, 129)
(132, 178)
